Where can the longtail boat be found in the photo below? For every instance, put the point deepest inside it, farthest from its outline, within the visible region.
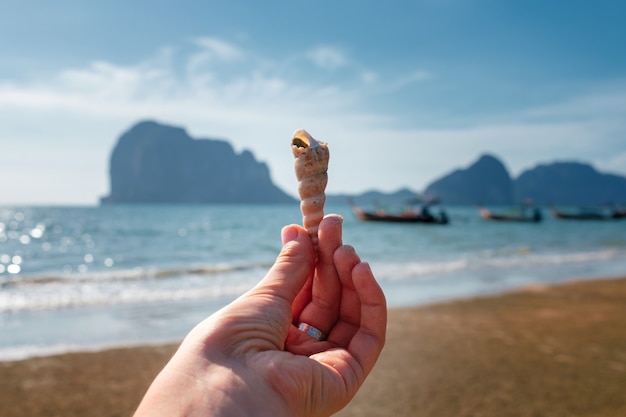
(422, 215)
(588, 214)
(533, 216)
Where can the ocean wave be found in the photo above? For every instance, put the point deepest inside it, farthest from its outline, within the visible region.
(127, 287)
(92, 296)
(423, 270)
(134, 274)
(22, 352)
(525, 258)
(146, 285)
(540, 259)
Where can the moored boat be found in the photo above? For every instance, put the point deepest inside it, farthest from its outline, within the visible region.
(589, 214)
(523, 215)
(422, 215)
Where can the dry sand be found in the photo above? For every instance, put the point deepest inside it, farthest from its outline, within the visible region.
(541, 351)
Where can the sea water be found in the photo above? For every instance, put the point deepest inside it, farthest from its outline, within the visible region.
(82, 278)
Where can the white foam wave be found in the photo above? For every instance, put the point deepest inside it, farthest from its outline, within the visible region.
(153, 286)
(391, 271)
(128, 274)
(541, 259)
(22, 352)
(491, 260)
(127, 288)
(90, 296)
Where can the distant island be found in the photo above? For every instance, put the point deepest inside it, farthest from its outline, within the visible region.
(157, 163)
(487, 181)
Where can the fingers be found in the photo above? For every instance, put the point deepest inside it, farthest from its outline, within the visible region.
(349, 320)
(359, 335)
(369, 340)
(318, 306)
(362, 323)
(292, 267)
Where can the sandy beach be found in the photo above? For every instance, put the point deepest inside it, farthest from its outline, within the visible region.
(539, 351)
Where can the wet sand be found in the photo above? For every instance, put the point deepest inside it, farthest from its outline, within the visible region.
(540, 351)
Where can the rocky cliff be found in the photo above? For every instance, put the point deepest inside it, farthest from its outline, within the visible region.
(155, 163)
(570, 183)
(486, 181)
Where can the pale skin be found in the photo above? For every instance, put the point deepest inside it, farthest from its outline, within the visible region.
(250, 359)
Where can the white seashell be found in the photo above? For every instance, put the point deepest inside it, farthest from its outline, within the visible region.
(311, 166)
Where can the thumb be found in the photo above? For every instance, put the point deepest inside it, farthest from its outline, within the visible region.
(292, 267)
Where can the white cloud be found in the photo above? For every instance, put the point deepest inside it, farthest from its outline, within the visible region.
(603, 102)
(369, 77)
(218, 49)
(613, 164)
(328, 57)
(101, 74)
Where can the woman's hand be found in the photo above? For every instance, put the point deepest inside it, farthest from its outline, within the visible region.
(250, 358)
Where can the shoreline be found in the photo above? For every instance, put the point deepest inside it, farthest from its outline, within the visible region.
(21, 353)
(557, 350)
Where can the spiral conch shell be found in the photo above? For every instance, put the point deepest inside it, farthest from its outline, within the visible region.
(311, 166)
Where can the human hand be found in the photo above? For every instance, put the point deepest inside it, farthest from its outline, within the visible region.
(249, 358)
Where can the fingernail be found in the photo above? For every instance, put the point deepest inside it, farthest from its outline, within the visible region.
(288, 234)
(335, 216)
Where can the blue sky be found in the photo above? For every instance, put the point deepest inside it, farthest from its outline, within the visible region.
(403, 91)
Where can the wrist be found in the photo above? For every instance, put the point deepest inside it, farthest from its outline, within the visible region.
(224, 390)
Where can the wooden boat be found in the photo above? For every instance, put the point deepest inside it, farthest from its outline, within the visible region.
(588, 214)
(521, 216)
(406, 216)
